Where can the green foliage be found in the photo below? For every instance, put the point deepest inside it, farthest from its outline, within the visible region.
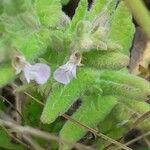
(117, 89)
(122, 27)
(49, 12)
(13, 7)
(127, 79)
(97, 8)
(105, 60)
(41, 32)
(73, 132)
(137, 106)
(33, 45)
(80, 13)
(104, 6)
(7, 74)
(63, 97)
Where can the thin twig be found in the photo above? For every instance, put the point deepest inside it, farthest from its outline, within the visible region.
(13, 137)
(33, 144)
(27, 138)
(95, 132)
(147, 142)
(18, 105)
(11, 105)
(135, 124)
(35, 99)
(39, 133)
(141, 119)
(136, 139)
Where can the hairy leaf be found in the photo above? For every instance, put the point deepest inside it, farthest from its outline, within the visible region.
(123, 90)
(104, 7)
(62, 98)
(49, 12)
(14, 7)
(105, 60)
(127, 79)
(33, 45)
(80, 13)
(88, 114)
(122, 29)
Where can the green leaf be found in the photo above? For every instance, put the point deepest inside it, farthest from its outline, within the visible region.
(22, 24)
(49, 12)
(96, 8)
(122, 90)
(89, 115)
(62, 98)
(14, 7)
(103, 7)
(6, 74)
(34, 44)
(122, 29)
(80, 13)
(105, 60)
(137, 106)
(128, 114)
(128, 79)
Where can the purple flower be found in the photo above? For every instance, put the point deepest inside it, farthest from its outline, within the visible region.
(38, 72)
(65, 73)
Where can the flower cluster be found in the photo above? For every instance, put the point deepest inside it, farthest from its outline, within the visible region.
(40, 72)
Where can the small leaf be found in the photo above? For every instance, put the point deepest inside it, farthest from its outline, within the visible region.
(102, 8)
(96, 8)
(33, 45)
(128, 79)
(80, 13)
(122, 29)
(122, 90)
(105, 60)
(87, 115)
(62, 98)
(49, 12)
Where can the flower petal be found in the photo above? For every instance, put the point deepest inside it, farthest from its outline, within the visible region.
(38, 72)
(27, 73)
(63, 76)
(65, 73)
(74, 71)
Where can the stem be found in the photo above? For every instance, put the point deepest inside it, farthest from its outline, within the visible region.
(33, 143)
(95, 132)
(38, 133)
(140, 13)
